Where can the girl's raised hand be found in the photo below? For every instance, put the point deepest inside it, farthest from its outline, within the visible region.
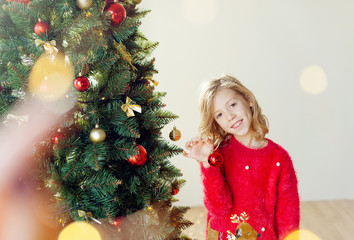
(199, 148)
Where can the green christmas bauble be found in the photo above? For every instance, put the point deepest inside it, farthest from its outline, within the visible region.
(84, 4)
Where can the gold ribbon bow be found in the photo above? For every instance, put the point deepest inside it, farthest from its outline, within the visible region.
(152, 81)
(20, 119)
(87, 216)
(128, 107)
(49, 47)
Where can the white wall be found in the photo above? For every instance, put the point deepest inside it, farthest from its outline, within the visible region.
(267, 45)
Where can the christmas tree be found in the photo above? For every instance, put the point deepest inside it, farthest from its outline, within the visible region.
(106, 163)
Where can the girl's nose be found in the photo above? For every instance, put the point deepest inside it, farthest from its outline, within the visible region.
(230, 116)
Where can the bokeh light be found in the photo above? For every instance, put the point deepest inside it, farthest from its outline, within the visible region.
(199, 11)
(79, 231)
(313, 79)
(302, 234)
(51, 77)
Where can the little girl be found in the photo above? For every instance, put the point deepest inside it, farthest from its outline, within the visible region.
(257, 176)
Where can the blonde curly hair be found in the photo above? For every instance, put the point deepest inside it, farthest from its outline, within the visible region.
(209, 128)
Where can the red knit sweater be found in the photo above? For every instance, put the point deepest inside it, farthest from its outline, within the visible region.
(260, 182)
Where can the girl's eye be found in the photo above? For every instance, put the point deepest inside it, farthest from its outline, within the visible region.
(232, 105)
(219, 115)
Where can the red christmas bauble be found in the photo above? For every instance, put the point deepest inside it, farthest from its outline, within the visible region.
(41, 28)
(81, 83)
(140, 159)
(118, 13)
(57, 137)
(126, 89)
(175, 190)
(215, 159)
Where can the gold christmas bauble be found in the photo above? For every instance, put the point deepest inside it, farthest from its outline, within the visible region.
(97, 134)
(175, 134)
(84, 4)
(137, 1)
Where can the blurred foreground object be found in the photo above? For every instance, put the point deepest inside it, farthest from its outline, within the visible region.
(79, 230)
(25, 212)
(51, 77)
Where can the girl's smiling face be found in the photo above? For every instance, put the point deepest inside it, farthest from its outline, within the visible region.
(233, 113)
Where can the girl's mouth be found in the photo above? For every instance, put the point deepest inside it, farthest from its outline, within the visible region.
(237, 124)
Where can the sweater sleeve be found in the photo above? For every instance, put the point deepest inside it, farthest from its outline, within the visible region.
(217, 194)
(287, 213)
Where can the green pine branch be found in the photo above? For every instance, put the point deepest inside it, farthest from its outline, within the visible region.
(95, 155)
(127, 128)
(157, 118)
(141, 13)
(125, 29)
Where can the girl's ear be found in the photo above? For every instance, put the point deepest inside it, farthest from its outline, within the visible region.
(249, 100)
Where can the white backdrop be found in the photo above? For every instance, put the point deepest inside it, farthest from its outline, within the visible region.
(270, 46)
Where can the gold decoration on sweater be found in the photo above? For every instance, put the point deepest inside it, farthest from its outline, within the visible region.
(212, 234)
(244, 231)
